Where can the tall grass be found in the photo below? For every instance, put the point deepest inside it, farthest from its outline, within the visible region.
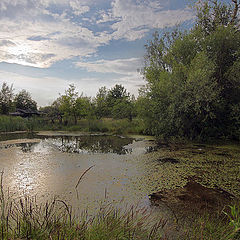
(116, 126)
(224, 225)
(10, 124)
(24, 218)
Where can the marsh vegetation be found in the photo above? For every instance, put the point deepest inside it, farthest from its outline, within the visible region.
(188, 174)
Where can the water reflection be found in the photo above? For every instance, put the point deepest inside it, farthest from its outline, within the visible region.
(39, 167)
(25, 147)
(92, 144)
(16, 135)
(77, 144)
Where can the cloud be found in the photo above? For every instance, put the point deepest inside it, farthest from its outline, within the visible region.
(78, 8)
(58, 39)
(6, 43)
(39, 33)
(133, 19)
(118, 66)
(125, 72)
(38, 37)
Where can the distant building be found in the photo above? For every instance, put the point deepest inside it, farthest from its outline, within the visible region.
(25, 113)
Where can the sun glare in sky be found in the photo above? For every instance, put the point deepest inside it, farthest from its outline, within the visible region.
(90, 44)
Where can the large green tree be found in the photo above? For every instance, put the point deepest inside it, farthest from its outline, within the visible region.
(193, 80)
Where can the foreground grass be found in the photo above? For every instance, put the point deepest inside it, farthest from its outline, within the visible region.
(221, 226)
(25, 219)
(117, 126)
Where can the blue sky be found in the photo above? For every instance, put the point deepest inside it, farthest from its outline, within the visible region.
(45, 45)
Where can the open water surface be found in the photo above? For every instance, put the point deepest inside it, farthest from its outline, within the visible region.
(49, 165)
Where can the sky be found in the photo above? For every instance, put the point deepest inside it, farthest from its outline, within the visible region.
(45, 45)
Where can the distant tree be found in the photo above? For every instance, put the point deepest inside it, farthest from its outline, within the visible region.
(23, 100)
(101, 106)
(83, 106)
(119, 102)
(68, 103)
(53, 111)
(118, 92)
(6, 98)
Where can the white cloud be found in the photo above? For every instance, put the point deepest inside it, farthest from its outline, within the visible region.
(39, 37)
(40, 43)
(118, 66)
(135, 18)
(125, 70)
(78, 8)
(39, 33)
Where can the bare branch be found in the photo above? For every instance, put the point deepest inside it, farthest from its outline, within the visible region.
(235, 12)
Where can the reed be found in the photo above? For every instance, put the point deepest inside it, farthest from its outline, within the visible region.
(25, 218)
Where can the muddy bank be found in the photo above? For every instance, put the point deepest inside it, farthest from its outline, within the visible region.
(193, 199)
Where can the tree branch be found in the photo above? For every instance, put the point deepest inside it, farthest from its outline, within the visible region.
(235, 12)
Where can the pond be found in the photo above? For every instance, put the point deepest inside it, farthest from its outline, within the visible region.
(50, 164)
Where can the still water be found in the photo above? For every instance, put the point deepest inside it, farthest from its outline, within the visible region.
(48, 165)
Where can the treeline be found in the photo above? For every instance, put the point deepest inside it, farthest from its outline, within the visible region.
(114, 103)
(111, 110)
(193, 77)
(193, 83)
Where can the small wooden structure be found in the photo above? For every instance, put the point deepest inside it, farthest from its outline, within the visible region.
(25, 113)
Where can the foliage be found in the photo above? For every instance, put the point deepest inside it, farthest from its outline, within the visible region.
(71, 105)
(101, 105)
(193, 82)
(10, 124)
(6, 98)
(217, 226)
(26, 219)
(68, 103)
(23, 100)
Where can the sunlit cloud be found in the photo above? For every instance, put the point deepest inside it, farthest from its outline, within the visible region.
(72, 35)
(118, 66)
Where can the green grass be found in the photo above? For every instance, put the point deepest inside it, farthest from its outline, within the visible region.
(115, 126)
(10, 124)
(222, 226)
(25, 219)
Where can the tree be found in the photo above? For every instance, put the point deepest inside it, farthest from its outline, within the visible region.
(23, 100)
(101, 105)
(119, 102)
(193, 83)
(74, 106)
(68, 103)
(53, 112)
(83, 106)
(6, 98)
